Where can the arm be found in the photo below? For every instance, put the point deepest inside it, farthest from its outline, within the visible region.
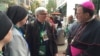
(17, 47)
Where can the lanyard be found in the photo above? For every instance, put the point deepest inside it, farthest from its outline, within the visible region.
(42, 29)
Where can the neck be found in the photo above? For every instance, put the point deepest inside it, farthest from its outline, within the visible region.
(1, 46)
(41, 21)
(88, 20)
(18, 25)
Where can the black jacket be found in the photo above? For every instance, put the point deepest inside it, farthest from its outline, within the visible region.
(89, 40)
(33, 39)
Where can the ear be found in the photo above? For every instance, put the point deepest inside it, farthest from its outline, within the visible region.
(86, 15)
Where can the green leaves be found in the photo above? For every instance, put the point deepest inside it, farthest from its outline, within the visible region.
(51, 6)
(34, 5)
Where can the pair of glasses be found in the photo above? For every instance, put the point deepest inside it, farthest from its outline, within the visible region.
(43, 14)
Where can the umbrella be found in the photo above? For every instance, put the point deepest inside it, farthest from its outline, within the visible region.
(56, 13)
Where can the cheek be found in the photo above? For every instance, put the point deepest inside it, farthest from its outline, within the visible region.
(44, 17)
(79, 16)
(8, 37)
(23, 21)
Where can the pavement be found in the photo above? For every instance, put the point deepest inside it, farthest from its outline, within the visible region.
(62, 49)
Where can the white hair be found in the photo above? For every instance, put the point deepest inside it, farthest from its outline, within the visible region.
(39, 10)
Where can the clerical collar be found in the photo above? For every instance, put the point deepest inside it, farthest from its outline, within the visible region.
(40, 22)
(90, 19)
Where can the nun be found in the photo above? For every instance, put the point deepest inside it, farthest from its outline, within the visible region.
(5, 31)
(18, 45)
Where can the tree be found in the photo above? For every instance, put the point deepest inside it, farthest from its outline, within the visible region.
(51, 6)
(34, 5)
(4, 1)
(9, 2)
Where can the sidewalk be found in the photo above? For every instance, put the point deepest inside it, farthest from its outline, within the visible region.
(60, 54)
(61, 49)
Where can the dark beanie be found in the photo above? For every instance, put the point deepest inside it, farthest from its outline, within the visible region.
(5, 25)
(16, 13)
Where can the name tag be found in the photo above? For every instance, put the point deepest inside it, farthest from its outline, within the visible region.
(45, 36)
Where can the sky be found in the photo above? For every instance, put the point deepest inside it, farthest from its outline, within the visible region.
(71, 5)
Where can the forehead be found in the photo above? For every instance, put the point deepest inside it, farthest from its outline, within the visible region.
(43, 11)
(79, 9)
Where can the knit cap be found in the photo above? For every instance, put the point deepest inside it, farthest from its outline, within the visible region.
(5, 25)
(16, 13)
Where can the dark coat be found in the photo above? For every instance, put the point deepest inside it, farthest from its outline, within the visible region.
(71, 32)
(33, 39)
(89, 40)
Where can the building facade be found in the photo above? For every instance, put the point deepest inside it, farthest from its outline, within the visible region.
(62, 7)
(25, 3)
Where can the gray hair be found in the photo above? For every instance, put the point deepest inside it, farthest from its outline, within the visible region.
(39, 9)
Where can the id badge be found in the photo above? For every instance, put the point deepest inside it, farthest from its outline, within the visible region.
(44, 35)
(42, 50)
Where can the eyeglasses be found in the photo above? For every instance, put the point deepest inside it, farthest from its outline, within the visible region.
(44, 14)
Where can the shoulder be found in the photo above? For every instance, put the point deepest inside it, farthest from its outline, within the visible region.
(15, 32)
(95, 23)
(47, 23)
(32, 23)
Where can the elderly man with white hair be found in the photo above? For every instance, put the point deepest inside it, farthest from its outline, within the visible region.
(40, 35)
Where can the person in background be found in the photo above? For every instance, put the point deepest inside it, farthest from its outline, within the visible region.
(49, 19)
(69, 29)
(70, 19)
(39, 35)
(86, 40)
(57, 20)
(18, 45)
(70, 23)
(5, 31)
